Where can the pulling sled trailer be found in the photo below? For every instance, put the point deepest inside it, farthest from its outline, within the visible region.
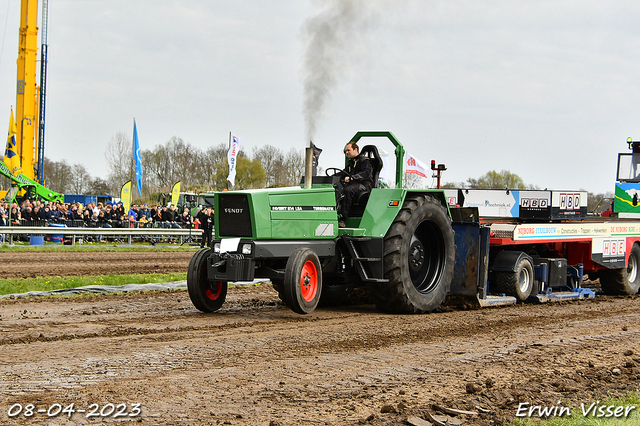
(542, 243)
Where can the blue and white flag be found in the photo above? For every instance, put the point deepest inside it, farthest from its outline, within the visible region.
(234, 148)
(136, 158)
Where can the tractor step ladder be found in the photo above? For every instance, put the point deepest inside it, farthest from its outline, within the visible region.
(363, 251)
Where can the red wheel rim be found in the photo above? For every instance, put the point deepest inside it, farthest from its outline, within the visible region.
(309, 281)
(214, 293)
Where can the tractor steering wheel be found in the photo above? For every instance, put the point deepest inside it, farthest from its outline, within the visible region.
(337, 172)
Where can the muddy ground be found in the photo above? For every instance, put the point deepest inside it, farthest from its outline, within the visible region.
(66, 263)
(153, 355)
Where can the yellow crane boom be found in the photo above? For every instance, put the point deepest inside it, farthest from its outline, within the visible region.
(27, 91)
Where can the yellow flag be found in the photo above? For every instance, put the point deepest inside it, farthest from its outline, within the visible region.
(125, 196)
(11, 157)
(175, 193)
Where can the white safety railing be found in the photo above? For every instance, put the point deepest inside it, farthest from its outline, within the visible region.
(128, 233)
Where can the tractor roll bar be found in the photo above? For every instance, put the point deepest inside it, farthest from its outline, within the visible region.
(399, 150)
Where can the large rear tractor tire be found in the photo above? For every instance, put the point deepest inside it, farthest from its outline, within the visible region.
(623, 281)
(303, 281)
(518, 283)
(205, 295)
(419, 256)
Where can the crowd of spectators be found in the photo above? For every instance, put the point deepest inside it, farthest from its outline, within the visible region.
(107, 215)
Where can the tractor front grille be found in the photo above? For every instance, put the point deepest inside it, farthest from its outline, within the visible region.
(234, 217)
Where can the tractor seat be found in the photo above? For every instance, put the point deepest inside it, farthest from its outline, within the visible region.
(371, 152)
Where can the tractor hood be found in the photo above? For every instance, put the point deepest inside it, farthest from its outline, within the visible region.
(278, 213)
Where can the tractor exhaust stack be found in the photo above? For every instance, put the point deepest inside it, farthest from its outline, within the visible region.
(308, 167)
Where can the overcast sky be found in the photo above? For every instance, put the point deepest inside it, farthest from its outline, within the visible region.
(548, 90)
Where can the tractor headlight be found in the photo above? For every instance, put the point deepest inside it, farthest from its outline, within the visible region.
(246, 249)
(216, 248)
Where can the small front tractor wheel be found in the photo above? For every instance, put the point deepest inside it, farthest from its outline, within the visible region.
(419, 257)
(302, 281)
(205, 295)
(623, 281)
(518, 283)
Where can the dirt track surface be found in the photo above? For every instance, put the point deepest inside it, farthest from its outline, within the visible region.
(74, 263)
(257, 363)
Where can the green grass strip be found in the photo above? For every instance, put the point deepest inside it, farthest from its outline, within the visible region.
(24, 285)
(585, 414)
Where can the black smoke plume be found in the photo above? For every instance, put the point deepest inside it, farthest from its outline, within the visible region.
(331, 36)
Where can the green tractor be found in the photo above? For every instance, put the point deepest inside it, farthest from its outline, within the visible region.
(400, 244)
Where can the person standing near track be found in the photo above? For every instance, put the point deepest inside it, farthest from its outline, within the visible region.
(206, 224)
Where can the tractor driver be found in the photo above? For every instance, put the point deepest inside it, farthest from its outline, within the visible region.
(358, 179)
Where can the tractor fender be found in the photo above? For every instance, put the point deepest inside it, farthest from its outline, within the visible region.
(438, 194)
(507, 260)
(384, 205)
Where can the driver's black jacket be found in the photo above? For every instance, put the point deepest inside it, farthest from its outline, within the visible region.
(361, 171)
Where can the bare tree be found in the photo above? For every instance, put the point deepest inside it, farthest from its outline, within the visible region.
(66, 179)
(174, 161)
(272, 161)
(214, 161)
(99, 186)
(58, 175)
(80, 179)
(413, 181)
(293, 167)
(157, 171)
(118, 156)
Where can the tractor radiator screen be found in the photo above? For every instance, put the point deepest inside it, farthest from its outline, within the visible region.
(234, 217)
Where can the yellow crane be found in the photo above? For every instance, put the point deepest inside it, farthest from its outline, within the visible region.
(27, 175)
(27, 92)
